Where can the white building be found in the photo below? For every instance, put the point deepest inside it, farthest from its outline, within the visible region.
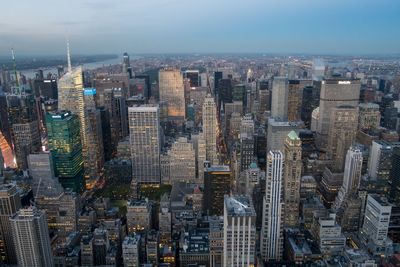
(182, 161)
(31, 238)
(144, 133)
(272, 223)
(376, 219)
(210, 129)
(280, 94)
(239, 231)
(352, 175)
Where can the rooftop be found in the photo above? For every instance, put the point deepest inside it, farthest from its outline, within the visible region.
(239, 206)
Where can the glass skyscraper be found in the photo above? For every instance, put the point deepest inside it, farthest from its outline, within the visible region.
(66, 147)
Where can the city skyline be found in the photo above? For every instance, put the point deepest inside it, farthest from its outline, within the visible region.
(334, 27)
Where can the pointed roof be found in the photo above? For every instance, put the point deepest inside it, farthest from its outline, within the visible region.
(293, 135)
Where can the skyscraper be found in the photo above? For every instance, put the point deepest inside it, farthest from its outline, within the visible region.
(23, 118)
(10, 202)
(94, 160)
(369, 117)
(272, 219)
(395, 176)
(31, 238)
(291, 179)
(342, 132)
(352, 175)
(239, 231)
(172, 91)
(334, 92)
(65, 145)
(279, 103)
(114, 102)
(277, 132)
(210, 129)
(144, 130)
(41, 169)
(380, 159)
(376, 221)
(217, 184)
(182, 161)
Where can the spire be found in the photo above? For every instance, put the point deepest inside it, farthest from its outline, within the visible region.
(69, 57)
(15, 66)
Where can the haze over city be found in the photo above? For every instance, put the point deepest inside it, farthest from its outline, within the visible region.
(177, 26)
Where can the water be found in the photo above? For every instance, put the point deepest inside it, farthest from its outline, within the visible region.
(31, 73)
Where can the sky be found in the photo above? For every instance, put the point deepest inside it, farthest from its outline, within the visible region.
(200, 26)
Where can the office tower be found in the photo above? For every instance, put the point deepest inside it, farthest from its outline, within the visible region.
(172, 91)
(193, 77)
(328, 233)
(271, 246)
(239, 93)
(395, 177)
(342, 132)
(144, 130)
(390, 115)
(73, 97)
(164, 216)
(182, 161)
(108, 150)
(376, 223)
(101, 244)
(138, 216)
(369, 116)
(94, 160)
(131, 251)
(41, 169)
(210, 129)
(10, 201)
(264, 98)
(291, 179)
(247, 149)
(199, 145)
(146, 78)
(310, 101)
(86, 246)
(352, 175)
(217, 78)
(239, 231)
(31, 238)
(126, 65)
(114, 102)
(217, 184)
(64, 137)
(152, 247)
(380, 159)
(334, 92)
(295, 99)
(279, 102)
(225, 94)
(277, 132)
(197, 96)
(46, 88)
(22, 115)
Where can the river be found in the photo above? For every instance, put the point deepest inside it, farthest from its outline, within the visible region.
(31, 73)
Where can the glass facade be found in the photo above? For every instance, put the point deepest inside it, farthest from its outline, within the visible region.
(66, 147)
